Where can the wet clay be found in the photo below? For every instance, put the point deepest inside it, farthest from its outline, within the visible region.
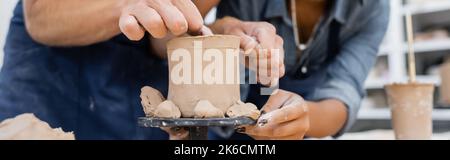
(241, 109)
(155, 105)
(221, 96)
(445, 83)
(411, 107)
(167, 109)
(204, 109)
(28, 127)
(150, 99)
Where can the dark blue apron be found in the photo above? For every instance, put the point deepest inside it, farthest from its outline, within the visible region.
(92, 90)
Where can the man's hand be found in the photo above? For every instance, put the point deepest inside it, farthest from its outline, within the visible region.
(285, 117)
(176, 133)
(260, 43)
(57, 23)
(159, 17)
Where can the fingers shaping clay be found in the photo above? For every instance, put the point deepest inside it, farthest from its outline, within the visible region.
(150, 99)
(241, 109)
(204, 109)
(204, 79)
(28, 127)
(167, 109)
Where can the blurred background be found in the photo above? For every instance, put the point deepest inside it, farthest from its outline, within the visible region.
(6, 8)
(431, 21)
(432, 44)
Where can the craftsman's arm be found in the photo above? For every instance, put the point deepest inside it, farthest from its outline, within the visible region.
(84, 22)
(72, 22)
(326, 117)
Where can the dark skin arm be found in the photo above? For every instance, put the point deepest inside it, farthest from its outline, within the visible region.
(327, 117)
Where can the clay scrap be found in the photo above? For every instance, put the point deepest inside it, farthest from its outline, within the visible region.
(204, 109)
(28, 127)
(167, 109)
(150, 99)
(155, 106)
(241, 109)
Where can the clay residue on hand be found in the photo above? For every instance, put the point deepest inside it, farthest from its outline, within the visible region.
(28, 127)
(204, 109)
(241, 109)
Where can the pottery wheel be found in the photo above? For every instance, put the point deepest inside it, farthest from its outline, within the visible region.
(198, 128)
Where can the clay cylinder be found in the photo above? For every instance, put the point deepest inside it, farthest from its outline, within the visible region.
(203, 68)
(411, 107)
(445, 83)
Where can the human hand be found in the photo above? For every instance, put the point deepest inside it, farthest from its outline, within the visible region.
(160, 17)
(262, 45)
(176, 133)
(285, 117)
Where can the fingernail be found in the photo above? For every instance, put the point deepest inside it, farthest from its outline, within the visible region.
(263, 112)
(262, 122)
(206, 31)
(176, 129)
(240, 130)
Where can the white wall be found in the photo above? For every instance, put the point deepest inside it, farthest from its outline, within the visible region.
(6, 8)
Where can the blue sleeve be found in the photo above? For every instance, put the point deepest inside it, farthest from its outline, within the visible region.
(347, 73)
